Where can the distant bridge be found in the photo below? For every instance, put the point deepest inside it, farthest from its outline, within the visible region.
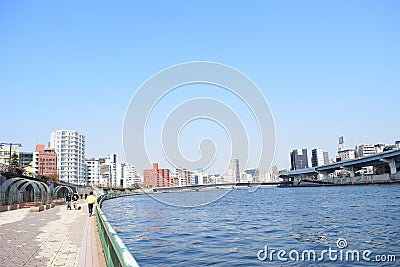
(216, 186)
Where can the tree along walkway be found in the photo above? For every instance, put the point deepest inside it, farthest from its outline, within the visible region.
(54, 237)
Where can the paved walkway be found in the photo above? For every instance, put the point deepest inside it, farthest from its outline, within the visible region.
(54, 237)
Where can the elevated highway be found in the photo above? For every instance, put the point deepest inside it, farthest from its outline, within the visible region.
(386, 162)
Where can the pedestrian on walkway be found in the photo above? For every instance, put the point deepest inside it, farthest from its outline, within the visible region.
(68, 200)
(90, 200)
(75, 198)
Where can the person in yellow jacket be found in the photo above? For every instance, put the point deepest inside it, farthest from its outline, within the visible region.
(90, 200)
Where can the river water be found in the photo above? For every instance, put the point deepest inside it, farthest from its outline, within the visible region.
(249, 228)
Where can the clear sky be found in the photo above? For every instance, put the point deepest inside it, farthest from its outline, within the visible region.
(326, 68)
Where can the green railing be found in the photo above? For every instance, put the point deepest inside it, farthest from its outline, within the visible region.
(115, 251)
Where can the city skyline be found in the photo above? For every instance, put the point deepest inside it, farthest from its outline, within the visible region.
(308, 161)
(322, 76)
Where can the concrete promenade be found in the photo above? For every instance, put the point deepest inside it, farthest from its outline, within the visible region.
(54, 237)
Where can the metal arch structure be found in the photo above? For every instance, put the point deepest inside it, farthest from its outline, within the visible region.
(4, 188)
(58, 187)
(12, 191)
(48, 191)
(15, 187)
(36, 191)
(44, 190)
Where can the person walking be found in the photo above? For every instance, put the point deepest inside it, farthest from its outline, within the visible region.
(75, 198)
(68, 200)
(90, 200)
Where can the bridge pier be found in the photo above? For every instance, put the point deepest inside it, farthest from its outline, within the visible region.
(392, 165)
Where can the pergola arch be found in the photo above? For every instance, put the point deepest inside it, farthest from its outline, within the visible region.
(36, 191)
(48, 191)
(4, 189)
(12, 191)
(58, 187)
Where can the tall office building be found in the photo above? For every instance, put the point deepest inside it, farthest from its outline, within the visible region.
(299, 159)
(319, 157)
(70, 149)
(232, 174)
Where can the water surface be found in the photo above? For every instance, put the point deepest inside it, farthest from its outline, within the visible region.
(232, 230)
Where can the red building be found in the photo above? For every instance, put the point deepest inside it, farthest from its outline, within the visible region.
(156, 177)
(46, 160)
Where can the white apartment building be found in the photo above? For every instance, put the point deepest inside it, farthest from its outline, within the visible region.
(365, 150)
(129, 176)
(347, 154)
(93, 172)
(70, 149)
(111, 171)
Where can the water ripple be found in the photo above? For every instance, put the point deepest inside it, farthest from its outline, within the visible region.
(231, 231)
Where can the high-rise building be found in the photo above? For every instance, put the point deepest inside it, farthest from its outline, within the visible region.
(299, 159)
(365, 150)
(232, 174)
(111, 171)
(44, 160)
(70, 148)
(129, 176)
(25, 158)
(93, 172)
(319, 157)
(156, 177)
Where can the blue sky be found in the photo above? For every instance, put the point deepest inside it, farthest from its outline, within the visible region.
(326, 68)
